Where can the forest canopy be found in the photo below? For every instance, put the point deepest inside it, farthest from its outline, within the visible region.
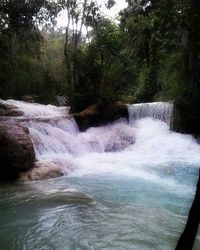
(151, 52)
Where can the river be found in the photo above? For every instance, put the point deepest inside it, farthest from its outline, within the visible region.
(127, 185)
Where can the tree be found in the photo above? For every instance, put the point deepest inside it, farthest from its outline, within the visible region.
(188, 236)
(25, 15)
(21, 70)
(189, 103)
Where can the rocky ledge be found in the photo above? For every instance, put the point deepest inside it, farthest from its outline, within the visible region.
(42, 171)
(16, 151)
(9, 110)
(98, 115)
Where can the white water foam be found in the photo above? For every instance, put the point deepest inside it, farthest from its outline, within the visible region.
(145, 148)
(35, 110)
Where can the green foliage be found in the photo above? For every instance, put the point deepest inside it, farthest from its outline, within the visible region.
(31, 67)
(143, 85)
(118, 62)
(24, 68)
(152, 54)
(170, 77)
(23, 16)
(99, 68)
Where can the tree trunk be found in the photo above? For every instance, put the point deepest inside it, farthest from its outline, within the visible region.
(189, 103)
(187, 238)
(191, 43)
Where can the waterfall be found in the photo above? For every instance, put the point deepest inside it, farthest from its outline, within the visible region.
(52, 130)
(111, 148)
(56, 137)
(162, 111)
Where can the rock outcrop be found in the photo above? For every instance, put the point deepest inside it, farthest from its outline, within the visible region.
(9, 110)
(97, 115)
(42, 171)
(16, 151)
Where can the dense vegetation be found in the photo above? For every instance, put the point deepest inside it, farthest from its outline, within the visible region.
(151, 53)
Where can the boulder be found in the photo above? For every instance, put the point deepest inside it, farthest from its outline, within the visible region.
(42, 171)
(9, 110)
(16, 151)
(60, 101)
(119, 142)
(98, 115)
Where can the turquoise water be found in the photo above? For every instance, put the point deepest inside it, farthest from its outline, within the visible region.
(97, 212)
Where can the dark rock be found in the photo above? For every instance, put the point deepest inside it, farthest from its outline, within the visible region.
(97, 115)
(179, 119)
(16, 151)
(60, 101)
(186, 118)
(30, 98)
(9, 110)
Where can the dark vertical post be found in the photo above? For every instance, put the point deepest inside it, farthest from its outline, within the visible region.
(188, 236)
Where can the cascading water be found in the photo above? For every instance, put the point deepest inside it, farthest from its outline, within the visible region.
(162, 111)
(140, 177)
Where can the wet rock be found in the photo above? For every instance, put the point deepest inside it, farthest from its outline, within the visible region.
(118, 139)
(42, 171)
(60, 101)
(94, 145)
(97, 115)
(119, 142)
(16, 151)
(111, 138)
(9, 110)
